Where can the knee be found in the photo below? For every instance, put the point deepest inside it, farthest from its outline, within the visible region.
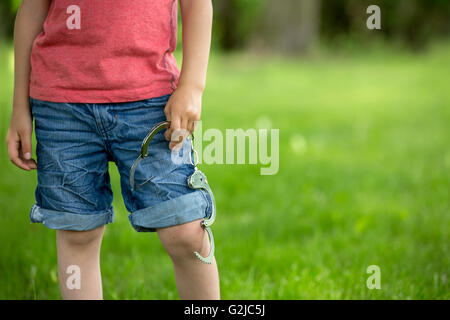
(81, 238)
(181, 241)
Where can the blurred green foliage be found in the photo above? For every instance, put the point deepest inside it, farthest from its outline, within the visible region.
(236, 21)
(15, 5)
(413, 22)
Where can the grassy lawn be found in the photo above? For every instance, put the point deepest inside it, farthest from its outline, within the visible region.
(363, 180)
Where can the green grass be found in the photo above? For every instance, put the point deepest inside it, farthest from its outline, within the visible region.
(363, 180)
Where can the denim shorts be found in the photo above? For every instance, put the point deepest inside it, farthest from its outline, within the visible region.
(76, 142)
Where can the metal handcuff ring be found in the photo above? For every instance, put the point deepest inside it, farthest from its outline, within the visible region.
(197, 180)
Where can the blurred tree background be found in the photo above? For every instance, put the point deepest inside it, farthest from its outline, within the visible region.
(297, 25)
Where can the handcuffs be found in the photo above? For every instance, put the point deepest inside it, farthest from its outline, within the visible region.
(196, 180)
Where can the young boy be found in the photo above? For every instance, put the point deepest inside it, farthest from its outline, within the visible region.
(96, 76)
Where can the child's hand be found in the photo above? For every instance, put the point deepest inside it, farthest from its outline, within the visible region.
(182, 110)
(18, 138)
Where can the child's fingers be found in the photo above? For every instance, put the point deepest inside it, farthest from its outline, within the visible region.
(175, 124)
(166, 134)
(191, 126)
(174, 131)
(26, 150)
(184, 128)
(31, 163)
(25, 144)
(176, 143)
(13, 151)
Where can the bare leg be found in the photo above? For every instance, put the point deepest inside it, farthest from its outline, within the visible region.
(79, 254)
(195, 280)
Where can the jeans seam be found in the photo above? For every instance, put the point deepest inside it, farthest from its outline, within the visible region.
(101, 129)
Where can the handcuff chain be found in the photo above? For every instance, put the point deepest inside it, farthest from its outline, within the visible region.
(193, 151)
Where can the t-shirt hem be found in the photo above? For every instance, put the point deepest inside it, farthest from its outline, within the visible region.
(97, 96)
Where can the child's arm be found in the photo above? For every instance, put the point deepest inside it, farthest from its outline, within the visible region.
(29, 21)
(184, 106)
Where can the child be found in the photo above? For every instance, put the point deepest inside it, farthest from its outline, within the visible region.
(96, 76)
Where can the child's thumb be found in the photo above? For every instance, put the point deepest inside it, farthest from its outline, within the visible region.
(25, 142)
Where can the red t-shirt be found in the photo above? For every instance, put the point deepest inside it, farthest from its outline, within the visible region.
(99, 51)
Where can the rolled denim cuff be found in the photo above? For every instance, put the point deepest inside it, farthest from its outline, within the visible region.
(183, 209)
(59, 220)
